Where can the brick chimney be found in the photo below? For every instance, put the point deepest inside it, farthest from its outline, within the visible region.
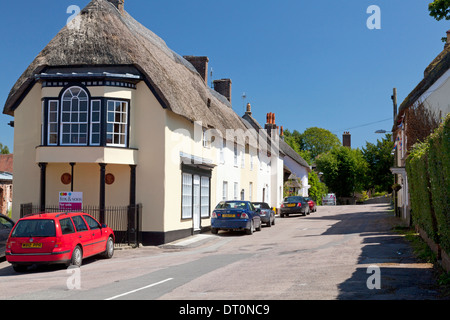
(270, 123)
(223, 87)
(119, 4)
(347, 139)
(200, 64)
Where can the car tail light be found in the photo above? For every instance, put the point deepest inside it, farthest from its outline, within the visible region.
(282, 205)
(214, 215)
(244, 216)
(58, 243)
(299, 204)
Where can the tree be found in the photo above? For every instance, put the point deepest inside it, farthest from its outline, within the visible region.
(294, 140)
(379, 159)
(318, 189)
(440, 9)
(4, 149)
(318, 140)
(344, 170)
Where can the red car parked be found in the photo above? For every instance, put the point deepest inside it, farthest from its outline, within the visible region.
(65, 238)
(312, 204)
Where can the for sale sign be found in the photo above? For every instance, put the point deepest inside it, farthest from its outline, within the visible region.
(71, 201)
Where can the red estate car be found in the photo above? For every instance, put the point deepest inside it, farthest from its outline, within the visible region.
(66, 238)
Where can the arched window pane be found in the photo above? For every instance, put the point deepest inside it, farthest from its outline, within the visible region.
(74, 120)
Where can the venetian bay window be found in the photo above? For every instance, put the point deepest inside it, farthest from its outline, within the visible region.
(77, 119)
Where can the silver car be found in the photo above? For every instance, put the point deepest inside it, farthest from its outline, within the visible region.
(267, 214)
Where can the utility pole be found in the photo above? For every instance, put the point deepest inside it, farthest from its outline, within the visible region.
(394, 193)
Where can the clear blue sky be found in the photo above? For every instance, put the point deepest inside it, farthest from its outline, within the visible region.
(312, 63)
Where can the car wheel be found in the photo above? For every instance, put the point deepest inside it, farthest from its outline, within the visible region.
(77, 257)
(109, 251)
(214, 230)
(308, 212)
(260, 226)
(250, 231)
(269, 224)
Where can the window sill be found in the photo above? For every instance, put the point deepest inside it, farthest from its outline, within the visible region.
(67, 154)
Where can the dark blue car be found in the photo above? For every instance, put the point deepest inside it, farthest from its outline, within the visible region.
(235, 215)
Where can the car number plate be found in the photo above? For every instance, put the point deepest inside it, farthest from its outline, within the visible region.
(31, 245)
(291, 205)
(229, 215)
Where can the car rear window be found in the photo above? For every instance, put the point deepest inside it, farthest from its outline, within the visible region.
(293, 199)
(261, 205)
(232, 205)
(35, 228)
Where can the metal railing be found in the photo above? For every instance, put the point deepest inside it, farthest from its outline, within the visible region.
(124, 220)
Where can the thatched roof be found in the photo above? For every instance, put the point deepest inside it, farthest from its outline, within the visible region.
(432, 73)
(107, 37)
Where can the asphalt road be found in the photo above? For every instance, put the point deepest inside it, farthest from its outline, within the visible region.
(343, 252)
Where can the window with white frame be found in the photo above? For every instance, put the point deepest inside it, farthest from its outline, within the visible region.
(225, 191)
(74, 117)
(77, 120)
(186, 206)
(204, 197)
(117, 123)
(195, 195)
(53, 112)
(96, 107)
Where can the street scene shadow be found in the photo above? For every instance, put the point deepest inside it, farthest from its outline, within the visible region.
(387, 268)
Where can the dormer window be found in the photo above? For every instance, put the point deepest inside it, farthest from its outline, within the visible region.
(77, 119)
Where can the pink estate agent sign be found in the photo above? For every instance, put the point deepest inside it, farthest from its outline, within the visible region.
(70, 201)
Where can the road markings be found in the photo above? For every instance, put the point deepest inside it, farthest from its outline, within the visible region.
(140, 289)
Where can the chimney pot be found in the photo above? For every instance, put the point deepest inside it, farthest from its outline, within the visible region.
(249, 109)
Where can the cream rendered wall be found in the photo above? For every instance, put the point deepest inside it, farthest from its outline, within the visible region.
(264, 178)
(147, 123)
(227, 171)
(248, 174)
(27, 135)
(183, 136)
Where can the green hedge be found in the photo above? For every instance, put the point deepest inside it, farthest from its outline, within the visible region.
(428, 168)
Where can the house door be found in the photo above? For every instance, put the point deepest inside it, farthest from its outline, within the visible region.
(196, 203)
